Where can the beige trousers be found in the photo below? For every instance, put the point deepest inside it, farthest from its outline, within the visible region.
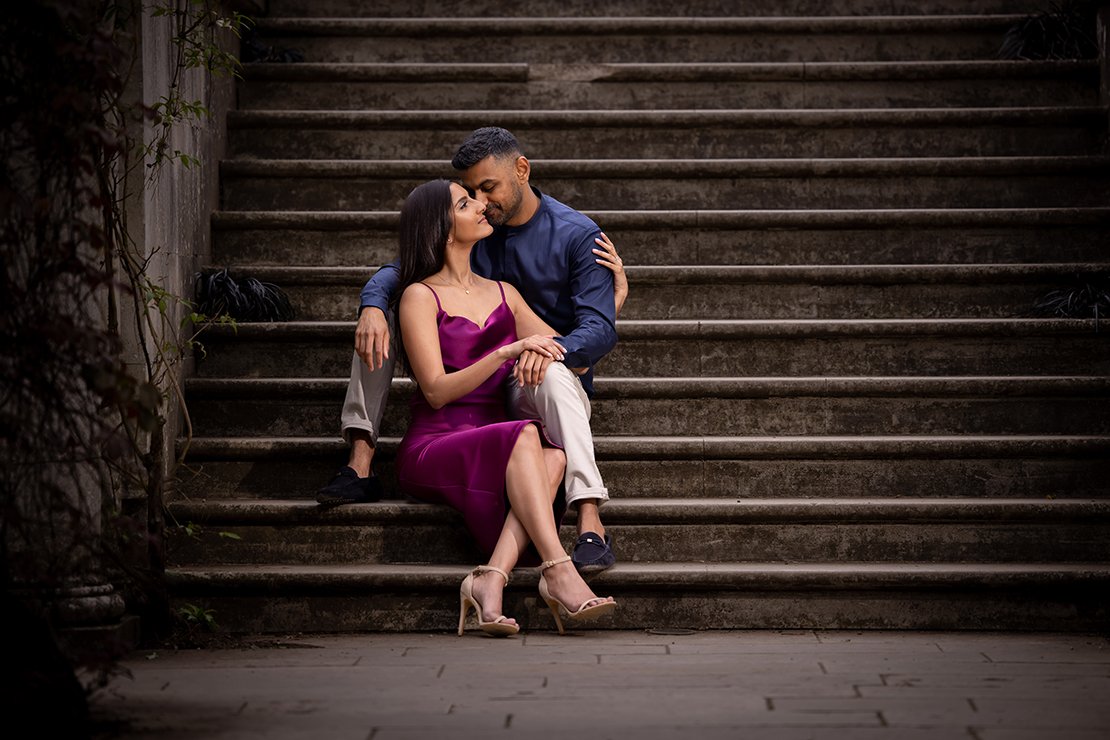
(559, 402)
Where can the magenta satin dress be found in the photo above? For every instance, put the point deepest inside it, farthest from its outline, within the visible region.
(457, 455)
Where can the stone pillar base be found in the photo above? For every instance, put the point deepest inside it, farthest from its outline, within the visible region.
(96, 644)
(88, 620)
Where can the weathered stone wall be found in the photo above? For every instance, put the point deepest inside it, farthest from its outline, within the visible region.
(169, 216)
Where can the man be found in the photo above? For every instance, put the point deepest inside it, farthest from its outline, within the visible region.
(548, 252)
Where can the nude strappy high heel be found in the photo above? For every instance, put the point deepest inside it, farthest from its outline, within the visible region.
(598, 606)
(498, 627)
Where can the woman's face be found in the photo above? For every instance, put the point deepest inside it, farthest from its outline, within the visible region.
(467, 217)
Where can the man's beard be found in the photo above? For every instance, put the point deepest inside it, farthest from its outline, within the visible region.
(499, 214)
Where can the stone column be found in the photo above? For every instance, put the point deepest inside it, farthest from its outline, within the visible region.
(1103, 32)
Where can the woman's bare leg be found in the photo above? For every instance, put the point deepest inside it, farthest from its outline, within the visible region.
(512, 542)
(529, 489)
(556, 462)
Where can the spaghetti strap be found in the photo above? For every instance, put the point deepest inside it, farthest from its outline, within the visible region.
(502, 289)
(438, 304)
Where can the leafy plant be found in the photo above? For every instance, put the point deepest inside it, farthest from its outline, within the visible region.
(197, 616)
(1087, 297)
(243, 299)
(1065, 31)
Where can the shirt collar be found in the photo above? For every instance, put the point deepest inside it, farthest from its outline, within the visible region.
(539, 209)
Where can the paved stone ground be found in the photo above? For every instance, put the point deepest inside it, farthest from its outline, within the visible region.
(613, 684)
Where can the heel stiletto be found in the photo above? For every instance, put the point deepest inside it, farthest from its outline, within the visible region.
(593, 608)
(498, 627)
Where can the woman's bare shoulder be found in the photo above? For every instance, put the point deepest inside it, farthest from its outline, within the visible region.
(418, 293)
(511, 293)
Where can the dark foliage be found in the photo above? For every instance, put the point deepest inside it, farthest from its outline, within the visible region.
(39, 688)
(1088, 297)
(253, 49)
(1065, 31)
(243, 299)
(67, 400)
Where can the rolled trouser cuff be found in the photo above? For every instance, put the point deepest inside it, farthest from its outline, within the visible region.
(600, 495)
(368, 428)
(367, 393)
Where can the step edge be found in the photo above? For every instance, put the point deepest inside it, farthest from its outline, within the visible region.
(647, 25)
(702, 387)
(292, 331)
(961, 166)
(608, 72)
(673, 576)
(709, 218)
(926, 447)
(880, 274)
(671, 511)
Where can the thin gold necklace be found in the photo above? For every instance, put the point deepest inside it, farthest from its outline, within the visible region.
(452, 285)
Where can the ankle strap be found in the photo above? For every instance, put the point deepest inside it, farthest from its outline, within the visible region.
(493, 569)
(549, 563)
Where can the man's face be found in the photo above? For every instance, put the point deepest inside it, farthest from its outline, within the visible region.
(497, 184)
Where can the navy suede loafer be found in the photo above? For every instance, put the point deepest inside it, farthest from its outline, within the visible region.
(592, 554)
(347, 488)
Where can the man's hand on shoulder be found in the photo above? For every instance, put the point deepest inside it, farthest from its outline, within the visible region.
(372, 337)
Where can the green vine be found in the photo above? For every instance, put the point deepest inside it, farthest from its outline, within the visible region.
(199, 34)
(197, 25)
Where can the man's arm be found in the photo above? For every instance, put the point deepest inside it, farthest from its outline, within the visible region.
(379, 289)
(591, 288)
(372, 332)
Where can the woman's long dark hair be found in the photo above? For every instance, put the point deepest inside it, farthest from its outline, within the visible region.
(425, 225)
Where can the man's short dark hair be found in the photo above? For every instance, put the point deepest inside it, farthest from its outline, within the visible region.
(484, 142)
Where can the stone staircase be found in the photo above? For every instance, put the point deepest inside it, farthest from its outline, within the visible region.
(830, 406)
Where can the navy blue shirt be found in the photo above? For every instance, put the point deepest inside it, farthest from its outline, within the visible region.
(550, 261)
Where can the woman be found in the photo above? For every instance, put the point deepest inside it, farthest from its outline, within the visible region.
(459, 334)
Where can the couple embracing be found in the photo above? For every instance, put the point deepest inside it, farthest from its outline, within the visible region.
(501, 305)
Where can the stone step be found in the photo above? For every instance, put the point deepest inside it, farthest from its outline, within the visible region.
(642, 86)
(734, 237)
(928, 182)
(774, 595)
(626, 8)
(700, 530)
(759, 292)
(723, 348)
(261, 407)
(858, 347)
(810, 467)
(608, 134)
(657, 39)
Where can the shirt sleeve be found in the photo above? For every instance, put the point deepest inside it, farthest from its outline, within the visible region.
(379, 288)
(595, 325)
